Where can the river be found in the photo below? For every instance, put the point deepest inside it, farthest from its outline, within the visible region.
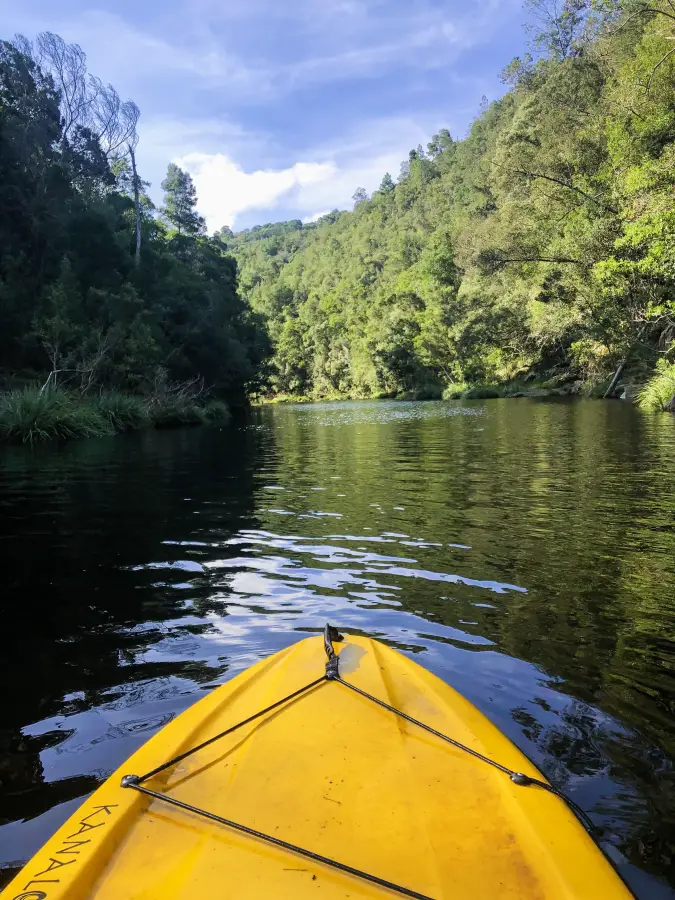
(523, 551)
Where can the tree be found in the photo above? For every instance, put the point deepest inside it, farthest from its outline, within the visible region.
(224, 234)
(439, 142)
(387, 184)
(85, 102)
(445, 139)
(180, 199)
(136, 182)
(518, 71)
(80, 307)
(359, 195)
(33, 188)
(558, 25)
(86, 161)
(543, 239)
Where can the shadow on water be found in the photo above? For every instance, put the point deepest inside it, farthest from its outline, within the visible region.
(105, 619)
(523, 551)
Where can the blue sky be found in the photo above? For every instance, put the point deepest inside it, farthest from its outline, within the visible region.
(282, 108)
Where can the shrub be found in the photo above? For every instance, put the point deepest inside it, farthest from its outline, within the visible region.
(215, 411)
(427, 391)
(32, 415)
(455, 391)
(659, 392)
(481, 392)
(430, 391)
(125, 412)
(174, 412)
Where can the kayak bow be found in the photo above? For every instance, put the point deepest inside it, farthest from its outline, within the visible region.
(364, 776)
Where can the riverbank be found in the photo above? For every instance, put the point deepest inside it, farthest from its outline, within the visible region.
(32, 415)
(458, 391)
(653, 395)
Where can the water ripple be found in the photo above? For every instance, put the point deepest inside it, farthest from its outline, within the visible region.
(524, 552)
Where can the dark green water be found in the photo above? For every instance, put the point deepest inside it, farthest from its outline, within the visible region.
(523, 551)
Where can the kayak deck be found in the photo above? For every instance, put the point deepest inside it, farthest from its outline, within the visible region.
(335, 774)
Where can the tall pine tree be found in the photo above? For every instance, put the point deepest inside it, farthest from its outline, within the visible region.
(180, 199)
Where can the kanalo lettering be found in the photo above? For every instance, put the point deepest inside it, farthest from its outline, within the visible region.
(85, 824)
(69, 847)
(55, 864)
(84, 827)
(98, 809)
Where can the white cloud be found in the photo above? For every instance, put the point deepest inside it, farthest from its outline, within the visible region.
(225, 190)
(315, 216)
(324, 179)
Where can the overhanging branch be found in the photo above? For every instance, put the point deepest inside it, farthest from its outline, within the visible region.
(565, 184)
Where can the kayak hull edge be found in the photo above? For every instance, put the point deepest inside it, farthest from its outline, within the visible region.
(335, 774)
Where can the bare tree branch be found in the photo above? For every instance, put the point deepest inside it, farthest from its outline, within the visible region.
(659, 63)
(548, 259)
(565, 184)
(85, 101)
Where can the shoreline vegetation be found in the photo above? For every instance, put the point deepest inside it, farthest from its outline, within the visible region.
(31, 415)
(116, 315)
(655, 395)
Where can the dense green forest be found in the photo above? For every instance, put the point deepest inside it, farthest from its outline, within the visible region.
(538, 249)
(99, 291)
(542, 244)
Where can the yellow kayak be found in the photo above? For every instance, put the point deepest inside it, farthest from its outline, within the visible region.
(360, 776)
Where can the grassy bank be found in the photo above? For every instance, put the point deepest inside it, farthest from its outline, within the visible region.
(659, 392)
(31, 415)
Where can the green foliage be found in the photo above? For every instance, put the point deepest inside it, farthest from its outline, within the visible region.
(428, 391)
(34, 415)
(125, 412)
(387, 185)
(175, 414)
(659, 393)
(455, 391)
(79, 302)
(215, 411)
(557, 27)
(543, 241)
(180, 199)
(482, 392)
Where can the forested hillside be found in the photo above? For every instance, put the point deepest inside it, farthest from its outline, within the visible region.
(98, 290)
(543, 242)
